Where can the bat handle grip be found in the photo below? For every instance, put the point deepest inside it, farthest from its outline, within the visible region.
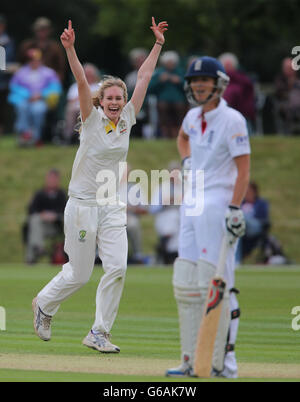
(223, 256)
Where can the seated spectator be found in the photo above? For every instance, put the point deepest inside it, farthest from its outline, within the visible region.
(8, 44)
(287, 99)
(72, 109)
(34, 89)
(240, 92)
(45, 217)
(167, 215)
(53, 55)
(256, 212)
(167, 84)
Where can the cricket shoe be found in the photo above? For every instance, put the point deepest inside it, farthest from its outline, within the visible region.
(184, 370)
(41, 322)
(100, 341)
(225, 373)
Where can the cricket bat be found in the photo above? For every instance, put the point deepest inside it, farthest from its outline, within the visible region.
(210, 321)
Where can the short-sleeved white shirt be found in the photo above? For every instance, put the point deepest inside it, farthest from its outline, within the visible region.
(225, 137)
(102, 147)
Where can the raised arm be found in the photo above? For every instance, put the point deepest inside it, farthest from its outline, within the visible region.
(85, 97)
(147, 68)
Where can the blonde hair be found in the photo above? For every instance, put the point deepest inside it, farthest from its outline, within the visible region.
(107, 81)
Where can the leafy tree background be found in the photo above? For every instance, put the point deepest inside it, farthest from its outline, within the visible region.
(260, 32)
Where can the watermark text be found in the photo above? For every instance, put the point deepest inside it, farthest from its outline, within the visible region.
(2, 319)
(2, 58)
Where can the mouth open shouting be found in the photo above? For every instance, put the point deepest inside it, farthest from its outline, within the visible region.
(113, 103)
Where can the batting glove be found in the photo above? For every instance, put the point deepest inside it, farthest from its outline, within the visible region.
(235, 223)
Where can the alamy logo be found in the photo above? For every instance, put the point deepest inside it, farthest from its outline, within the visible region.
(296, 60)
(2, 319)
(296, 321)
(2, 58)
(188, 185)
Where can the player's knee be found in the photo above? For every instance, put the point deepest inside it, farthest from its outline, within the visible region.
(116, 271)
(75, 277)
(185, 281)
(120, 272)
(185, 272)
(80, 280)
(206, 273)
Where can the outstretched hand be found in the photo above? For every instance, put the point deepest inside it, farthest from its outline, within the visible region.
(159, 30)
(68, 36)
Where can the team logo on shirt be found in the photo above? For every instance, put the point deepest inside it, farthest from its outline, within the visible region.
(240, 139)
(123, 127)
(193, 131)
(82, 234)
(210, 136)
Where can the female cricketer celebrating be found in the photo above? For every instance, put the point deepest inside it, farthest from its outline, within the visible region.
(104, 140)
(214, 139)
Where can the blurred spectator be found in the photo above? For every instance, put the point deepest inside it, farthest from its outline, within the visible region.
(165, 206)
(72, 109)
(8, 43)
(168, 85)
(137, 57)
(256, 212)
(240, 93)
(287, 99)
(34, 89)
(45, 217)
(53, 55)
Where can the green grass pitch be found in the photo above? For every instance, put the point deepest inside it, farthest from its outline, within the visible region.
(146, 328)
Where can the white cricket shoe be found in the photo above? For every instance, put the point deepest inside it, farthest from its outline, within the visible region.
(225, 373)
(230, 365)
(184, 370)
(41, 322)
(100, 341)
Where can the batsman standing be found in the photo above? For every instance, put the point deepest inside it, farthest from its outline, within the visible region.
(89, 221)
(213, 138)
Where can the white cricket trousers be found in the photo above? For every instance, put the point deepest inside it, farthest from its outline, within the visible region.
(200, 236)
(86, 225)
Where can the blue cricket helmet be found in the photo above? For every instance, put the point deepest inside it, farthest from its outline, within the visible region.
(207, 67)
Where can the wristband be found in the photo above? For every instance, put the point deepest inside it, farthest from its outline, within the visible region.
(184, 159)
(160, 44)
(234, 207)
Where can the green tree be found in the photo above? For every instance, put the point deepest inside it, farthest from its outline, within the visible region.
(260, 32)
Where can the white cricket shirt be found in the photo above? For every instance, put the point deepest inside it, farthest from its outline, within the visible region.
(102, 146)
(225, 137)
